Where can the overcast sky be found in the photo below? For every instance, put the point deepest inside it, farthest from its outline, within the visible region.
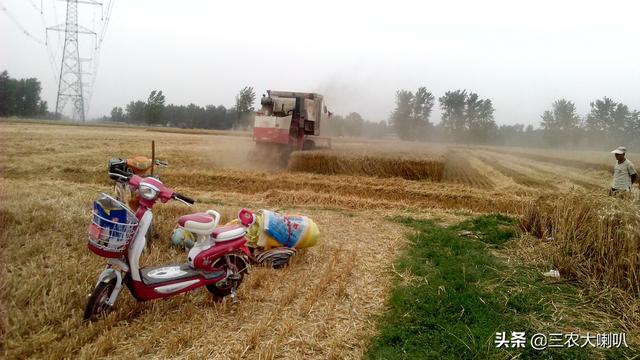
(522, 55)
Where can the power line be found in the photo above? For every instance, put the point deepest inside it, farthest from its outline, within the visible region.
(35, 7)
(55, 18)
(50, 55)
(105, 23)
(96, 55)
(24, 30)
(71, 88)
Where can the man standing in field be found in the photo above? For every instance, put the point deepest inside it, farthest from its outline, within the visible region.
(624, 173)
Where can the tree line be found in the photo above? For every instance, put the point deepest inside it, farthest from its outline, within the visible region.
(154, 111)
(607, 123)
(355, 126)
(465, 117)
(21, 97)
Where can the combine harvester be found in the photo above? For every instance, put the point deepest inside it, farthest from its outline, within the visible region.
(289, 121)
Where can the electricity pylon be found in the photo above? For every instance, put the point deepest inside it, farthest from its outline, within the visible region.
(70, 86)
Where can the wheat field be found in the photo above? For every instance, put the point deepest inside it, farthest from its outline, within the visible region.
(322, 306)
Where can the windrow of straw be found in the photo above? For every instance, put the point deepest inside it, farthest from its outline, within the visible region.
(593, 238)
(383, 166)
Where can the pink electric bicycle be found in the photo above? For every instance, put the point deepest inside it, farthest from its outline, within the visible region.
(218, 260)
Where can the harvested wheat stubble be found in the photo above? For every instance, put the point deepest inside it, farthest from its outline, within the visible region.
(322, 310)
(458, 169)
(49, 271)
(390, 165)
(344, 191)
(548, 171)
(578, 160)
(201, 132)
(517, 176)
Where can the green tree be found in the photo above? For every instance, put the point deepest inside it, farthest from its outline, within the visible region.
(562, 123)
(401, 117)
(7, 94)
(410, 118)
(548, 121)
(621, 117)
(600, 116)
(466, 117)
(232, 117)
(633, 127)
(244, 109)
(223, 121)
(423, 102)
(565, 114)
(354, 124)
(454, 119)
(482, 126)
(26, 97)
(136, 112)
(154, 107)
(20, 97)
(117, 114)
(216, 117)
(473, 103)
(43, 108)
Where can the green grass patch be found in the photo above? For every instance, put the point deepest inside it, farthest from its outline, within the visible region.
(493, 229)
(458, 295)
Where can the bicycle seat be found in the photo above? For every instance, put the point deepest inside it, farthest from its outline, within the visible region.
(198, 223)
(229, 232)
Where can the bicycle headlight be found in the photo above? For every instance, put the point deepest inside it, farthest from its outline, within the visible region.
(147, 191)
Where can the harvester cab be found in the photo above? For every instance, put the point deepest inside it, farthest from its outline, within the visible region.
(290, 121)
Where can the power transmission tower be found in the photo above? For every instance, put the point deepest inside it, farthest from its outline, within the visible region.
(70, 85)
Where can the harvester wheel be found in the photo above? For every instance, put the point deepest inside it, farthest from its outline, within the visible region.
(308, 145)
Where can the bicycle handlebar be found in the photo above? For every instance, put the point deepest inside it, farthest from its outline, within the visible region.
(185, 199)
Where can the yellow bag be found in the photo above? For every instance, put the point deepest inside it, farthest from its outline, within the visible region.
(289, 230)
(258, 236)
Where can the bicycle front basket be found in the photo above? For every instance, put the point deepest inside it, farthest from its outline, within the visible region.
(113, 226)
